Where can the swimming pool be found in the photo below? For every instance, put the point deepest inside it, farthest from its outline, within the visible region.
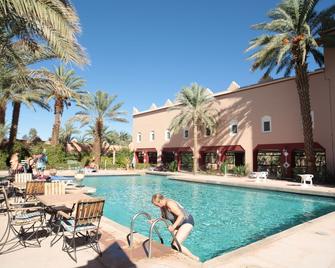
(226, 218)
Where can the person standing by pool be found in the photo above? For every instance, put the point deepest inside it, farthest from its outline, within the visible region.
(41, 163)
(182, 221)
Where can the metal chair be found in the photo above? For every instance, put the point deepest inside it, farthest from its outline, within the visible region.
(24, 222)
(85, 224)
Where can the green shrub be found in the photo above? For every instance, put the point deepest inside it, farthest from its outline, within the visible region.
(3, 160)
(21, 148)
(142, 165)
(224, 167)
(173, 166)
(107, 162)
(123, 158)
(240, 170)
(56, 157)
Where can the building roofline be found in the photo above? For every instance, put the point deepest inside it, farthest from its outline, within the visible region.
(224, 93)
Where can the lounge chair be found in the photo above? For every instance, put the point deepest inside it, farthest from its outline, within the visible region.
(85, 224)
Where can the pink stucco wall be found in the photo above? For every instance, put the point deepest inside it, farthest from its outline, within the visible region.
(277, 99)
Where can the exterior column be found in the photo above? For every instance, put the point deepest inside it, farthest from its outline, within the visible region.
(159, 157)
(178, 158)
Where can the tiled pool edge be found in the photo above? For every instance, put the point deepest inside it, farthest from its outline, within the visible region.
(261, 186)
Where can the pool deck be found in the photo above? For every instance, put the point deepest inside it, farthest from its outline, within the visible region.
(113, 242)
(275, 185)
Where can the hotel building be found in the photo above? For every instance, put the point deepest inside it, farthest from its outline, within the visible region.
(259, 126)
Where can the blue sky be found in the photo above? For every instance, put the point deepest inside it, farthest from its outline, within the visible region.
(146, 51)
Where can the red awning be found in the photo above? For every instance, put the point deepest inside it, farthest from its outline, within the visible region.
(177, 149)
(146, 150)
(287, 146)
(222, 149)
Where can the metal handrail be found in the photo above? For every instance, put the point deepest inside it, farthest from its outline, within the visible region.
(167, 223)
(148, 216)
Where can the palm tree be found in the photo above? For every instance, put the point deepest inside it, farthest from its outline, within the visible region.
(100, 107)
(197, 110)
(125, 138)
(67, 134)
(64, 87)
(18, 75)
(107, 135)
(18, 96)
(293, 34)
(31, 21)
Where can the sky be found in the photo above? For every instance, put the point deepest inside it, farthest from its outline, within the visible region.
(146, 51)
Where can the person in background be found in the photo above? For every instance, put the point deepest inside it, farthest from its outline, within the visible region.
(15, 166)
(41, 163)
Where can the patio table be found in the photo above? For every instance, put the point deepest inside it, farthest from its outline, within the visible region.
(62, 200)
(19, 185)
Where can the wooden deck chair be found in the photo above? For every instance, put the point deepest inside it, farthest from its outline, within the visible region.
(34, 188)
(54, 188)
(85, 224)
(23, 222)
(23, 177)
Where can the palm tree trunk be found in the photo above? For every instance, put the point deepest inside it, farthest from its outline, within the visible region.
(58, 110)
(305, 111)
(3, 113)
(97, 142)
(14, 126)
(195, 148)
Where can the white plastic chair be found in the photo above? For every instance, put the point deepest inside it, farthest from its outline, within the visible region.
(306, 178)
(259, 175)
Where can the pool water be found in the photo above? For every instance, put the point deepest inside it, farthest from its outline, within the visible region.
(226, 218)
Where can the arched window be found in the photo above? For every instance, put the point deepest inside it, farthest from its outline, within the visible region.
(139, 137)
(152, 135)
(266, 124)
(186, 134)
(233, 129)
(167, 135)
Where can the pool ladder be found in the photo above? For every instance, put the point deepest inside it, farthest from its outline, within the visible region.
(152, 228)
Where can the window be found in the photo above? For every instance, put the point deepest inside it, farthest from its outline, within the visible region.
(270, 160)
(208, 132)
(266, 124)
(233, 128)
(186, 133)
(152, 135)
(139, 137)
(167, 135)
